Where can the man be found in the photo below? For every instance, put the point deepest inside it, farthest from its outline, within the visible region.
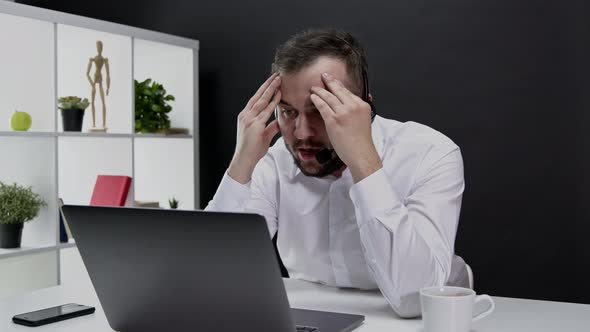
(356, 202)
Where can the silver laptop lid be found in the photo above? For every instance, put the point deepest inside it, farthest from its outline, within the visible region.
(165, 270)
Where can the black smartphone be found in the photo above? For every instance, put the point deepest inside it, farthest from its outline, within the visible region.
(54, 314)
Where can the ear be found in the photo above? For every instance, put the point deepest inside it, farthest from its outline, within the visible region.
(370, 97)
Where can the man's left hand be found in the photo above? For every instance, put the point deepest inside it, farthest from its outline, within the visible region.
(348, 124)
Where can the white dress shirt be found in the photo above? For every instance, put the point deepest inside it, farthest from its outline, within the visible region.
(394, 230)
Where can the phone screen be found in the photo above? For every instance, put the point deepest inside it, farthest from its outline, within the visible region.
(61, 310)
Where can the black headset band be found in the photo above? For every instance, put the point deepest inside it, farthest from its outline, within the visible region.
(367, 91)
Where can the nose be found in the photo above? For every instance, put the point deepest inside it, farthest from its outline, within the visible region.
(304, 126)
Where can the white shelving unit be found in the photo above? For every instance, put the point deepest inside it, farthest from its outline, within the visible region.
(45, 55)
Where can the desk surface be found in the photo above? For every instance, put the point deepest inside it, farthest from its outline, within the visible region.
(510, 314)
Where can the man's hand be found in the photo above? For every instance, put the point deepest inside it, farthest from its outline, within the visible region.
(348, 124)
(254, 136)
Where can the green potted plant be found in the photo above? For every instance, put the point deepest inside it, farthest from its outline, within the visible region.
(18, 205)
(72, 112)
(173, 203)
(151, 107)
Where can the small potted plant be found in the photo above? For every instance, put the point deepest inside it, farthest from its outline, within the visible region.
(18, 205)
(173, 203)
(72, 112)
(151, 107)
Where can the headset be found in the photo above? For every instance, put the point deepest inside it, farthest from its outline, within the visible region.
(366, 92)
(325, 154)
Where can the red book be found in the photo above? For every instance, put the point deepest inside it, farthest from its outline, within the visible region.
(110, 190)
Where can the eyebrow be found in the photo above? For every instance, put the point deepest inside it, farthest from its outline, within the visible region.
(310, 106)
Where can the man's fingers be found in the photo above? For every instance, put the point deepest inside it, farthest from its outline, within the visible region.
(326, 112)
(327, 96)
(266, 113)
(337, 88)
(260, 91)
(271, 130)
(270, 91)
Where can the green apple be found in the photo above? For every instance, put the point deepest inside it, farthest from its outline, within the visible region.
(20, 121)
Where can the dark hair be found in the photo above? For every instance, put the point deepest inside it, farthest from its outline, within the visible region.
(306, 47)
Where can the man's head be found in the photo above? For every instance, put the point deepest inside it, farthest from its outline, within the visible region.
(300, 61)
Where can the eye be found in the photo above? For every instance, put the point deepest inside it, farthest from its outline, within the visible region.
(288, 113)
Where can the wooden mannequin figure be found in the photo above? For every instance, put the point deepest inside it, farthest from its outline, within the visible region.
(99, 61)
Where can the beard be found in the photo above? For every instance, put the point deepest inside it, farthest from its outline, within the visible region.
(313, 167)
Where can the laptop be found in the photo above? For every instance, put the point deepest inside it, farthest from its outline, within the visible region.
(174, 270)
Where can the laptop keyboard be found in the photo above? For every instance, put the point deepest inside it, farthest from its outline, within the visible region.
(301, 328)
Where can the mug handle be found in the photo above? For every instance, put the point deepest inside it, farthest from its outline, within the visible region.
(484, 298)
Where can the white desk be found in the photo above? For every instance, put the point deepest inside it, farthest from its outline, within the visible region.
(510, 315)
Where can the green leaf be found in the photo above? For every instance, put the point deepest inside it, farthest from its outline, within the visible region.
(151, 107)
(18, 204)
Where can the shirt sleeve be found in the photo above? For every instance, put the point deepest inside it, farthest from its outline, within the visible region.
(408, 241)
(257, 196)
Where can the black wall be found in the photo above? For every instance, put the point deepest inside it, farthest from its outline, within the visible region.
(506, 80)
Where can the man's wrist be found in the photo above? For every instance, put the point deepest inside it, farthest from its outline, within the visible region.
(365, 166)
(240, 172)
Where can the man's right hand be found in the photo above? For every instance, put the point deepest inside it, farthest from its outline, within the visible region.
(254, 136)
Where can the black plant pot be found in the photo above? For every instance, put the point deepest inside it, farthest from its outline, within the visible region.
(72, 119)
(11, 235)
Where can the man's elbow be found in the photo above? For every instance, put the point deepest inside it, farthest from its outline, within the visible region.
(409, 306)
(409, 300)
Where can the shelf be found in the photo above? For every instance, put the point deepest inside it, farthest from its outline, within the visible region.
(28, 250)
(163, 136)
(27, 133)
(85, 134)
(115, 135)
(70, 244)
(50, 56)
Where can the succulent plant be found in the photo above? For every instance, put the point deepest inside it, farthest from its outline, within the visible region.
(72, 102)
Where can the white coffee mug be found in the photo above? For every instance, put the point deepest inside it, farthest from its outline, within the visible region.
(450, 309)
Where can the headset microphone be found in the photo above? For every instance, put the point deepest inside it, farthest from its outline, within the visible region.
(323, 155)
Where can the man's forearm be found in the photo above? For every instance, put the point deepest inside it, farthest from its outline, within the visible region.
(229, 197)
(407, 240)
(240, 171)
(367, 164)
(401, 262)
